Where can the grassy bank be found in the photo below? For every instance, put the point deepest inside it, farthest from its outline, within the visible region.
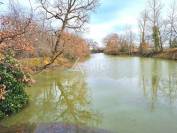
(170, 54)
(167, 54)
(32, 63)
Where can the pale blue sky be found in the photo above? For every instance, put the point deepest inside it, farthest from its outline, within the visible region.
(114, 16)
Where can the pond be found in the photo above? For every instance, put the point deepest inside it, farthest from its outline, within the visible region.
(113, 94)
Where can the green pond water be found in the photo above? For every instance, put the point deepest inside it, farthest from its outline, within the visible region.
(118, 94)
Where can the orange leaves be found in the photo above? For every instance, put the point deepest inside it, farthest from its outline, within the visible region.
(6, 34)
(74, 46)
(112, 42)
(13, 34)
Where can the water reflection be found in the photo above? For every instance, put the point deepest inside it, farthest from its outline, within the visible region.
(168, 88)
(73, 103)
(158, 85)
(138, 92)
(58, 99)
(24, 128)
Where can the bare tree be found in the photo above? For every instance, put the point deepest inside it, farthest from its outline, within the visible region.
(122, 43)
(142, 27)
(130, 38)
(71, 14)
(155, 9)
(93, 45)
(112, 44)
(172, 24)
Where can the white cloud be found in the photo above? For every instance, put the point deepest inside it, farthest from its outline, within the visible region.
(128, 16)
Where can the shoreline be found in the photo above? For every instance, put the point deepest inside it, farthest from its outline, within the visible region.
(169, 54)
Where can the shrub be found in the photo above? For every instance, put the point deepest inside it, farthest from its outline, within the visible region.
(12, 83)
(1, 114)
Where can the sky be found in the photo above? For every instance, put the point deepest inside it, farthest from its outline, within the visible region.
(112, 16)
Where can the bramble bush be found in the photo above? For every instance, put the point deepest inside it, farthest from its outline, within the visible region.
(12, 84)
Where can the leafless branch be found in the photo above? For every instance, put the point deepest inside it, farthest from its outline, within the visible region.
(72, 14)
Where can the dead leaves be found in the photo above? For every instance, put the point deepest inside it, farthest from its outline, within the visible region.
(2, 92)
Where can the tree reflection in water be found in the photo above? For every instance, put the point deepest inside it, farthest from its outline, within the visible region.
(69, 101)
(58, 98)
(74, 103)
(157, 85)
(168, 88)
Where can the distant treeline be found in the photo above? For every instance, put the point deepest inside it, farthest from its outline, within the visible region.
(157, 32)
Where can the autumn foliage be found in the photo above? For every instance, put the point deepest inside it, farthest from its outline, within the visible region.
(118, 44)
(29, 39)
(74, 46)
(12, 34)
